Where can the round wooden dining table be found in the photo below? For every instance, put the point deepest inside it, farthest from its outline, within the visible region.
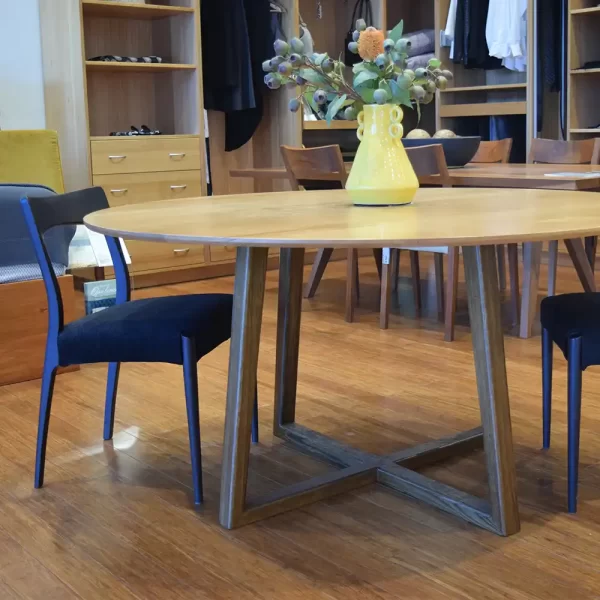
(475, 219)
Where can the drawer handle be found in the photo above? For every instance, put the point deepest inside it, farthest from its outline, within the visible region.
(177, 155)
(181, 251)
(117, 158)
(119, 192)
(178, 187)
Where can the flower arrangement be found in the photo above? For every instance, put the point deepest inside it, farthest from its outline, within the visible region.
(381, 77)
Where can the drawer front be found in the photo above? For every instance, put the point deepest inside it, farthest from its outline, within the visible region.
(228, 253)
(150, 256)
(134, 188)
(145, 155)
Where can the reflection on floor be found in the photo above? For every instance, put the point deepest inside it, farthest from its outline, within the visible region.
(115, 521)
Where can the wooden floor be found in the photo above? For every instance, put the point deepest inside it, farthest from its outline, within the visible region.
(115, 519)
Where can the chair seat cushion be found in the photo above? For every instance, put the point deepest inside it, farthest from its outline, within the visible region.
(574, 315)
(148, 330)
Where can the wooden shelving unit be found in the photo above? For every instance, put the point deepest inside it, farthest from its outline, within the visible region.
(136, 67)
(335, 125)
(127, 10)
(486, 88)
(483, 109)
(584, 46)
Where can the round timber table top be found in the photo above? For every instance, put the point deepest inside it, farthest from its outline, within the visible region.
(327, 219)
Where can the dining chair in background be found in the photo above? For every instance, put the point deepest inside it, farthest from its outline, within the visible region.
(176, 329)
(558, 152)
(496, 151)
(323, 168)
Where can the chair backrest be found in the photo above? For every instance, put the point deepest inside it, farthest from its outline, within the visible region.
(315, 168)
(557, 152)
(41, 214)
(497, 151)
(430, 160)
(31, 157)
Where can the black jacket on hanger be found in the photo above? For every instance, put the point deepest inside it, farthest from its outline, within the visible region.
(236, 39)
(470, 43)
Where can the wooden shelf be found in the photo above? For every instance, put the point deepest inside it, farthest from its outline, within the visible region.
(487, 88)
(322, 125)
(107, 67)
(584, 71)
(483, 109)
(127, 10)
(168, 136)
(586, 11)
(595, 130)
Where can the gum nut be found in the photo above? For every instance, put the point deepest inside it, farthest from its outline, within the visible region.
(275, 62)
(380, 96)
(300, 80)
(371, 28)
(409, 73)
(350, 114)
(320, 97)
(328, 65)
(441, 82)
(361, 25)
(417, 134)
(437, 72)
(420, 73)
(355, 36)
(272, 82)
(353, 47)
(381, 61)
(402, 45)
(430, 87)
(417, 92)
(296, 60)
(434, 63)
(294, 104)
(266, 66)
(285, 68)
(428, 98)
(389, 45)
(281, 48)
(297, 45)
(448, 74)
(403, 82)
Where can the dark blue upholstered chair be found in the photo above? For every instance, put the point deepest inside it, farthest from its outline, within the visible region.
(572, 322)
(177, 329)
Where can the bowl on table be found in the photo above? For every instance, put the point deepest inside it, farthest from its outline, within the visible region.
(458, 150)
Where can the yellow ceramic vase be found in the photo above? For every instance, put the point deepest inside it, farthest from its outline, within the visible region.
(381, 174)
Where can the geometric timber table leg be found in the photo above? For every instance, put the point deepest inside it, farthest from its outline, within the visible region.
(355, 467)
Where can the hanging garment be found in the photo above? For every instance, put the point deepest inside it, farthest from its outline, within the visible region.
(307, 39)
(447, 37)
(470, 45)
(506, 32)
(236, 39)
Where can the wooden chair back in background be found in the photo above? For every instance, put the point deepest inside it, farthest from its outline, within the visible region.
(497, 151)
(315, 168)
(558, 152)
(430, 160)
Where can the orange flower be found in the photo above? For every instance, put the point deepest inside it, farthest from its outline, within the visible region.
(370, 44)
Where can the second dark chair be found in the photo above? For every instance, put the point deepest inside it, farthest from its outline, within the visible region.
(177, 329)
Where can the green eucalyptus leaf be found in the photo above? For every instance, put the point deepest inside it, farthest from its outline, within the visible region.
(396, 33)
(334, 108)
(308, 98)
(314, 77)
(363, 77)
(358, 67)
(367, 94)
(385, 85)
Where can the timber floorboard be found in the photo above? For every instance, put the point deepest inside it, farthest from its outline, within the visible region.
(116, 520)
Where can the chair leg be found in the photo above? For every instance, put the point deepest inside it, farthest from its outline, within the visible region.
(547, 353)
(48, 379)
(316, 274)
(190, 378)
(416, 280)
(591, 244)
(552, 267)
(513, 275)
(395, 258)
(451, 294)
(112, 383)
(255, 418)
(438, 260)
(377, 255)
(500, 255)
(386, 289)
(351, 284)
(574, 418)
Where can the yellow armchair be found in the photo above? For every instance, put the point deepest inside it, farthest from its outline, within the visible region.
(31, 156)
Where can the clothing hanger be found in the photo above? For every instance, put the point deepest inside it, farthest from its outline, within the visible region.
(276, 7)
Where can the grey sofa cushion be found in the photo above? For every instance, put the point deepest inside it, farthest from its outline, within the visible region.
(17, 258)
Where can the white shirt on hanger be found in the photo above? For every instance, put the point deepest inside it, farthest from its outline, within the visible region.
(448, 33)
(506, 32)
